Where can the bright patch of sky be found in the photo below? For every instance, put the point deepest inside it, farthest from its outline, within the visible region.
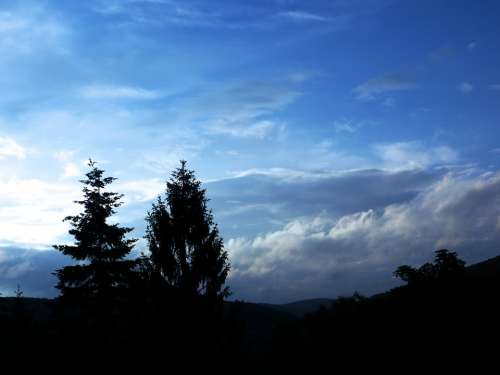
(260, 97)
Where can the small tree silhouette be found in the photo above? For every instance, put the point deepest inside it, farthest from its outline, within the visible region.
(100, 247)
(18, 292)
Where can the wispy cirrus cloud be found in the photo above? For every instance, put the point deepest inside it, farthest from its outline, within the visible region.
(258, 130)
(350, 126)
(118, 92)
(218, 14)
(495, 86)
(185, 14)
(373, 88)
(245, 110)
(30, 29)
(301, 16)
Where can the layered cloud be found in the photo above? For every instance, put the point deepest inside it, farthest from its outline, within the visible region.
(323, 255)
(31, 270)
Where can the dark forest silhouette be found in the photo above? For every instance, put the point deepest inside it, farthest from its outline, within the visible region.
(166, 310)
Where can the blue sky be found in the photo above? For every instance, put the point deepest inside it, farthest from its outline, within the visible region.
(337, 139)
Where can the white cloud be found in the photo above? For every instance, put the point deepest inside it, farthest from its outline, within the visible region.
(71, 170)
(64, 155)
(465, 87)
(10, 148)
(495, 86)
(457, 212)
(118, 92)
(410, 155)
(141, 190)
(32, 211)
(371, 89)
(345, 126)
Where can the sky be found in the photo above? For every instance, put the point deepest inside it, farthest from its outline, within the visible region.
(336, 139)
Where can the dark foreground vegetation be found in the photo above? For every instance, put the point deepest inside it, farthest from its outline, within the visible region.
(166, 311)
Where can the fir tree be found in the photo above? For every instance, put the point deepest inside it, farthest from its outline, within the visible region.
(100, 248)
(187, 252)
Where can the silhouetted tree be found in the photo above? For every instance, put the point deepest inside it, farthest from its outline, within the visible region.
(187, 252)
(100, 247)
(18, 292)
(446, 265)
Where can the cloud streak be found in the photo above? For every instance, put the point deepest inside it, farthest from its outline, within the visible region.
(301, 16)
(373, 88)
(118, 92)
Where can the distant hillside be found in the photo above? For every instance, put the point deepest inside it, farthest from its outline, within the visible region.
(257, 322)
(300, 308)
(488, 268)
(485, 269)
(38, 308)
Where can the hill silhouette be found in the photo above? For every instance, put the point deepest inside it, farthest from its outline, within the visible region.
(443, 325)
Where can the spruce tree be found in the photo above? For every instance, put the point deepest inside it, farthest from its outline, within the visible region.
(100, 248)
(187, 253)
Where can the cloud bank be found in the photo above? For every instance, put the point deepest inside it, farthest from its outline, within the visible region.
(320, 255)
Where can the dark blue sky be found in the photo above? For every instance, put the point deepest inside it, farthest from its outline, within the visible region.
(337, 139)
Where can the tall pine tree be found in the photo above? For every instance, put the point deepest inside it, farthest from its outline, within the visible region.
(186, 250)
(100, 248)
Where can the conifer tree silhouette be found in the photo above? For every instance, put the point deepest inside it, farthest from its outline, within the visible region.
(100, 247)
(187, 252)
